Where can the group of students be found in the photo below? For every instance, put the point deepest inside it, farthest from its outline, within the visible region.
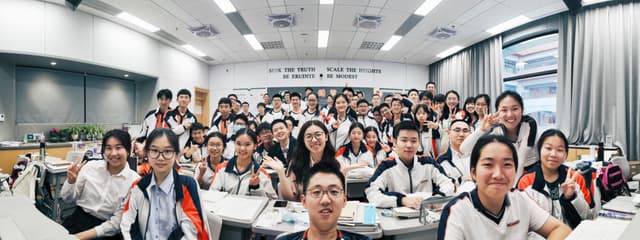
(433, 148)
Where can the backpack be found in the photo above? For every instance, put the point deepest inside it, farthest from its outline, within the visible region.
(611, 182)
(589, 174)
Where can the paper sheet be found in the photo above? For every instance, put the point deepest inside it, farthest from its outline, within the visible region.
(243, 209)
(599, 229)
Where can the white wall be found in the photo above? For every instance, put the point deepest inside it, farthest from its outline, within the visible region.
(226, 77)
(47, 29)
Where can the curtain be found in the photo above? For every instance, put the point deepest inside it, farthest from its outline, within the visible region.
(475, 70)
(602, 71)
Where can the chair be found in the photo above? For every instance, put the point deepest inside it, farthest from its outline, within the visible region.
(215, 225)
(624, 165)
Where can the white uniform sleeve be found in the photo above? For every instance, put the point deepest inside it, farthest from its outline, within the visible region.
(443, 182)
(537, 215)
(71, 192)
(129, 216)
(265, 189)
(580, 203)
(376, 197)
(454, 228)
(218, 181)
(112, 226)
(470, 141)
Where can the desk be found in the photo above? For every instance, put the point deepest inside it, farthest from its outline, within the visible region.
(233, 227)
(633, 230)
(604, 228)
(19, 219)
(267, 224)
(356, 187)
(395, 228)
(54, 207)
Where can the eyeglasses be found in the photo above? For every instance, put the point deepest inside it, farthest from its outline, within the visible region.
(217, 145)
(464, 130)
(167, 154)
(317, 135)
(332, 193)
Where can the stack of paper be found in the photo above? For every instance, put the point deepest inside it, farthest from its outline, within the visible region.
(349, 211)
(234, 207)
(405, 212)
(599, 229)
(623, 204)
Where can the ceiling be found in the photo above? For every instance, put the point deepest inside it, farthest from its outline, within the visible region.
(470, 17)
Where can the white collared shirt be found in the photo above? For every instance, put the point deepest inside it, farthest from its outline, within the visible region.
(99, 193)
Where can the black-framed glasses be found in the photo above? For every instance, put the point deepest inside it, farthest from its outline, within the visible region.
(167, 154)
(332, 193)
(317, 135)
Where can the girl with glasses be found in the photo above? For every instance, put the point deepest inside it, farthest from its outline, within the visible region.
(206, 170)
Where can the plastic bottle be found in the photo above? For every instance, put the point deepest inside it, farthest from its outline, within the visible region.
(43, 149)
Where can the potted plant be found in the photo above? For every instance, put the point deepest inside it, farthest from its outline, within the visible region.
(74, 131)
(54, 135)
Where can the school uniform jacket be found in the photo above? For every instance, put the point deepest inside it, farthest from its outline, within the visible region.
(367, 121)
(393, 180)
(152, 120)
(229, 180)
(271, 115)
(456, 166)
(527, 155)
(308, 116)
(572, 210)
(220, 124)
(272, 152)
(346, 157)
(190, 217)
(464, 217)
(339, 136)
(176, 123)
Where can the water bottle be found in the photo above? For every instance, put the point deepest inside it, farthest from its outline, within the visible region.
(43, 150)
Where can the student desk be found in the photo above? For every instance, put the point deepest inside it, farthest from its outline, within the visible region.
(268, 224)
(356, 187)
(396, 228)
(633, 229)
(605, 228)
(19, 219)
(235, 223)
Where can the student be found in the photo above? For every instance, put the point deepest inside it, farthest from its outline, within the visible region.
(482, 107)
(312, 112)
(388, 98)
(296, 112)
(353, 103)
(221, 120)
(266, 146)
(253, 126)
(355, 154)
(292, 124)
(287, 101)
(262, 110)
(316, 148)
(406, 179)
(141, 156)
(325, 110)
(380, 151)
(470, 110)
(277, 112)
(242, 175)
(386, 126)
(178, 211)
(397, 112)
(339, 122)
(427, 146)
(431, 87)
(181, 119)
(324, 188)
(195, 149)
(377, 116)
(206, 170)
(452, 109)
(98, 188)
(556, 188)
(236, 107)
(509, 121)
(455, 163)
(363, 114)
(245, 111)
(307, 91)
(493, 210)
(285, 142)
(157, 118)
(414, 96)
(426, 98)
(267, 101)
(375, 99)
(239, 122)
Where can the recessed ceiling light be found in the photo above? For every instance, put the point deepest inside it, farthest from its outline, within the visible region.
(225, 5)
(126, 75)
(589, 2)
(391, 42)
(326, 2)
(137, 21)
(511, 23)
(53, 63)
(323, 38)
(194, 50)
(426, 7)
(449, 51)
(253, 41)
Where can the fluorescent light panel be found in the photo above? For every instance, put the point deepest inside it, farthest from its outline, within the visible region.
(194, 50)
(514, 22)
(589, 2)
(426, 7)
(323, 38)
(137, 21)
(449, 51)
(253, 41)
(225, 5)
(391, 42)
(326, 2)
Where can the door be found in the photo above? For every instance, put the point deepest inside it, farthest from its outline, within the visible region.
(201, 105)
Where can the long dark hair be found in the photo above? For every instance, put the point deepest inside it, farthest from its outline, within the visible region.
(299, 158)
(446, 110)
(550, 133)
(123, 137)
(426, 110)
(159, 132)
(373, 129)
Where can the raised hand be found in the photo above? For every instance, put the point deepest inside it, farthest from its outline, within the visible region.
(202, 166)
(255, 177)
(74, 170)
(489, 120)
(273, 163)
(568, 188)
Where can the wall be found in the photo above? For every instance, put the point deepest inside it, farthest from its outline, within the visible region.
(52, 30)
(223, 79)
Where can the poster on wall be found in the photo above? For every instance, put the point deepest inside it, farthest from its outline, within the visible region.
(322, 92)
(340, 72)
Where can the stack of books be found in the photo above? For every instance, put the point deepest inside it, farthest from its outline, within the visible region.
(358, 217)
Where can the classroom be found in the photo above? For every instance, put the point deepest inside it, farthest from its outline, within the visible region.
(232, 119)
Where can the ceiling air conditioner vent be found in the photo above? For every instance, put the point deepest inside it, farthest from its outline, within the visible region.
(282, 20)
(367, 21)
(443, 32)
(205, 31)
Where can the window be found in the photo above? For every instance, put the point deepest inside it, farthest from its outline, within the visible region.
(531, 69)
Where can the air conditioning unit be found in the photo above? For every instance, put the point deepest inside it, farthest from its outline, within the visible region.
(282, 20)
(367, 21)
(205, 31)
(443, 32)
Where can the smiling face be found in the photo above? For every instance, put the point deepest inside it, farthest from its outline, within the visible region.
(481, 106)
(371, 138)
(421, 115)
(115, 153)
(244, 146)
(375, 99)
(414, 97)
(363, 109)
(312, 102)
(164, 102)
(280, 131)
(324, 210)
(315, 139)
(407, 145)
(356, 135)
(341, 105)
(183, 100)
(161, 155)
(552, 153)
(452, 100)
(510, 112)
(215, 147)
(224, 109)
(458, 132)
(198, 136)
(495, 171)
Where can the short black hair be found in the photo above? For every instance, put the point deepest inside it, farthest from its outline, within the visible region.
(224, 100)
(515, 95)
(413, 90)
(216, 135)
(277, 95)
(384, 104)
(245, 103)
(485, 140)
(362, 101)
(431, 82)
(232, 95)
(349, 89)
(387, 96)
(295, 94)
(274, 122)
(263, 126)
(241, 117)
(323, 167)
(439, 98)
(166, 93)
(261, 104)
(426, 94)
(405, 125)
(196, 126)
(308, 88)
(184, 91)
(294, 122)
(122, 136)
